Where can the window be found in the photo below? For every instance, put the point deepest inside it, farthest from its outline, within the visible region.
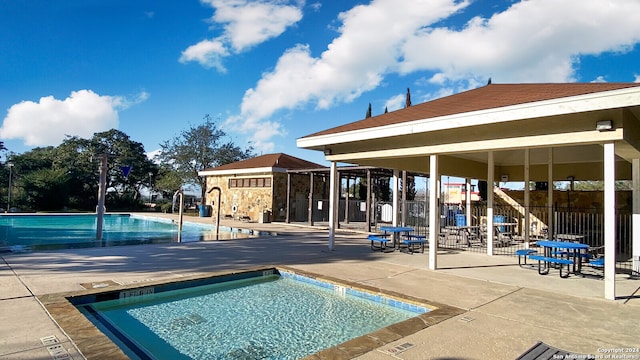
(250, 182)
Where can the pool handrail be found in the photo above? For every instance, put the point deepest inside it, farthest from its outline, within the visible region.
(181, 193)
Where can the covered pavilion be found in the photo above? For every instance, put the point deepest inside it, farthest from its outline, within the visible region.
(530, 132)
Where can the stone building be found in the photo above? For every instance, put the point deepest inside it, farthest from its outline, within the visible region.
(255, 189)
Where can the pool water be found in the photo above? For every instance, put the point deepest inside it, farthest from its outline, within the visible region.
(62, 231)
(261, 317)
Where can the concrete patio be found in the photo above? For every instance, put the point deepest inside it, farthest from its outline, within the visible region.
(504, 309)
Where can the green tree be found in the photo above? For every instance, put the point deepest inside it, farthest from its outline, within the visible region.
(168, 181)
(368, 115)
(24, 165)
(46, 189)
(410, 188)
(198, 148)
(53, 178)
(123, 152)
(76, 155)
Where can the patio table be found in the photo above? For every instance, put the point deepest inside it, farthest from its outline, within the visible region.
(395, 230)
(574, 249)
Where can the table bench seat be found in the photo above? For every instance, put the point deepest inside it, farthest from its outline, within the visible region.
(415, 242)
(522, 255)
(378, 242)
(551, 260)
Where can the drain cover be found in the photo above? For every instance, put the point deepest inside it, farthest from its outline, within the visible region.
(466, 319)
(99, 284)
(55, 349)
(394, 350)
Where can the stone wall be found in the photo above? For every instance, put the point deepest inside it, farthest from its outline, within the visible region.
(250, 202)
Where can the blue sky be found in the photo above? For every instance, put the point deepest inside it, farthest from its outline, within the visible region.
(271, 71)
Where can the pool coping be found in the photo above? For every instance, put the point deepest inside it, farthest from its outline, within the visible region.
(94, 344)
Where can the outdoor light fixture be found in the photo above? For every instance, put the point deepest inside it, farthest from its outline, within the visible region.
(327, 151)
(604, 125)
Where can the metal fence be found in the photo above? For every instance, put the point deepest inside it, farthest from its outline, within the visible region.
(509, 237)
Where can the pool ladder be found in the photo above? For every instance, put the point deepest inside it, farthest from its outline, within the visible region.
(180, 193)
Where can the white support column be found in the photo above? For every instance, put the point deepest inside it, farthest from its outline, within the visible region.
(490, 180)
(635, 221)
(527, 198)
(403, 200)
(434, 212)
(609, 221)
(395, 192)
(333, 203)
(550, 215)
(468, 201)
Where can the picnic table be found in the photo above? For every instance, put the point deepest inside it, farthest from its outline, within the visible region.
(394, 231)
(553, 256)
(411, 242)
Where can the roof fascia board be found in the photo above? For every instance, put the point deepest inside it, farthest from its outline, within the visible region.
(553, 107)
(241, 171)
(576, 138)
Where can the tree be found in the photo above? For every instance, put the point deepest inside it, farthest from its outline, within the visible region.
(407, 101)
(368, 112)
(46, 189)
(410, 188)
(53, 178)
(168, 181)
(122, 153)
(27, 190)
(198, 148)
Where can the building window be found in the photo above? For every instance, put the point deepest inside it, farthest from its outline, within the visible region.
(250, 182)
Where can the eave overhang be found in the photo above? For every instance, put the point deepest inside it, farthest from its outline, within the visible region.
(606, 100)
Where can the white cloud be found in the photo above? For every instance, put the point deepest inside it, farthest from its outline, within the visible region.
(209, 53)
(355, 62)
(151, 155)
(49, 121)
(396, 102)
(246, 23)
(531, 41)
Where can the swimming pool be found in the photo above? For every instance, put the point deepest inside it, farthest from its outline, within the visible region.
(262, 314)
(28, 232)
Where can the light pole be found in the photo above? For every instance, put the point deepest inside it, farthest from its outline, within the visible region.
(150, 175)
(10, 166)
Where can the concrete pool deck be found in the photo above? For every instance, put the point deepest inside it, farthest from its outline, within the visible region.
(505, 309)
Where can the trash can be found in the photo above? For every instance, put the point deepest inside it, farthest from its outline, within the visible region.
(461, 220)
(205, 210)
(264, 217)
(499, 219)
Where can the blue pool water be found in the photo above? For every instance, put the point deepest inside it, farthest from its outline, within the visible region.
(276, 315)
(61, 231)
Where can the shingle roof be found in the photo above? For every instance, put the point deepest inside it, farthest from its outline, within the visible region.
(278, 160)
(487, 97)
